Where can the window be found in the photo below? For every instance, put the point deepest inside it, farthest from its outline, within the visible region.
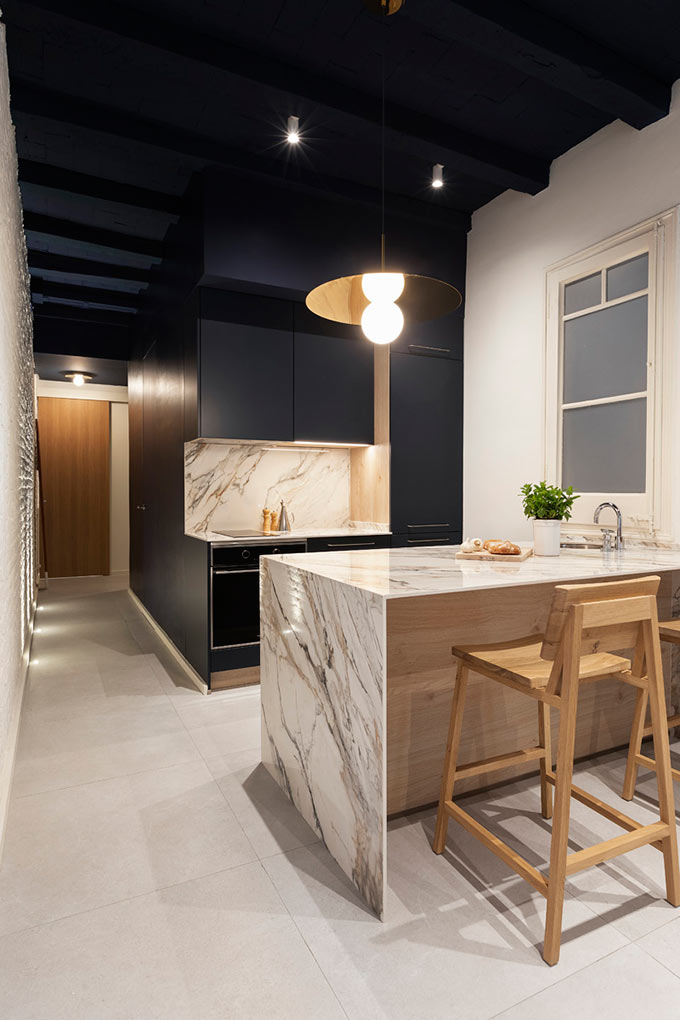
(605, 386)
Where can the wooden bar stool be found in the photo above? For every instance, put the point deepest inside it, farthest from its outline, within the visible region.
(668, 631)
(586, 623)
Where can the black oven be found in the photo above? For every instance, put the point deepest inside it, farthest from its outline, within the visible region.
(235, 592)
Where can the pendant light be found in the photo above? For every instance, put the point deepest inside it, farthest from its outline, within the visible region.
(380, 302)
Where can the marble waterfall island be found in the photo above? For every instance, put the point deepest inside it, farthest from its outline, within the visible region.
(357, 676)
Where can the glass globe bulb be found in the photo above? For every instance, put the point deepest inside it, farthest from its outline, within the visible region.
(382, 286)
(382, 322)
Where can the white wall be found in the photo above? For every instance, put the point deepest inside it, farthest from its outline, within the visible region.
(119, 533)
(615, 179)
(17, 551)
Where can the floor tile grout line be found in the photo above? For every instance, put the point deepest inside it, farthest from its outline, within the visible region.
(571, 974)
(656, 960)
(311, 952)
(237, 819)
(652, 931)
(110, 779)
(129, 899)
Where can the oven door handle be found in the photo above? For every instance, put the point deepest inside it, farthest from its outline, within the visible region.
(248, 570)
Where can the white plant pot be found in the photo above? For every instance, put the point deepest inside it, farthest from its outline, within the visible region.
(547, 538)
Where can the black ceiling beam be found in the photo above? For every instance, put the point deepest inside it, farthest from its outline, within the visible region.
(75, 183)
(545, 48)
(51, 310)
(39, 101)
(53, 335)
(56, 227)
(76, 292)
(410, 130)
(85, 267)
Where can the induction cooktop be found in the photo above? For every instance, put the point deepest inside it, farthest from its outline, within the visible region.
(241, 533)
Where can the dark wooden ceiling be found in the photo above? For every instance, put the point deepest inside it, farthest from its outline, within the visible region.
(116, 106)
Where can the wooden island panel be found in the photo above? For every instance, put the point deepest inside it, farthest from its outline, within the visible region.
(420, 674)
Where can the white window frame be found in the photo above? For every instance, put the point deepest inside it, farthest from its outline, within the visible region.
(648, 514)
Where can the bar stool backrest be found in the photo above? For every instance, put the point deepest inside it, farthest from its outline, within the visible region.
(612, 612)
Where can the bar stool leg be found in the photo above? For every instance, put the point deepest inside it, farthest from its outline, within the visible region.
(635, 745)
(662, 754)
(545, 741)
(563, 777)
(451, 758)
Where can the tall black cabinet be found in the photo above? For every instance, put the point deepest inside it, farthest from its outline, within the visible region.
(426, 412)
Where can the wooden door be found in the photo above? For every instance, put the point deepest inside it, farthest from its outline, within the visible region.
(75, 448)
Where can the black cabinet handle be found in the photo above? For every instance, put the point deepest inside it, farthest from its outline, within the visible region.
(239, 570)
(350, 545)
(439, 527)
(434, 350)
(427, 541)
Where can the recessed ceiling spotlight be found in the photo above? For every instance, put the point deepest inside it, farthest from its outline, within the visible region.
(293, 135)
(437, 175)
(79, 378)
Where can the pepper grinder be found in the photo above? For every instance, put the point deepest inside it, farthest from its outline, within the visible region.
(284, 523)
(266, 521)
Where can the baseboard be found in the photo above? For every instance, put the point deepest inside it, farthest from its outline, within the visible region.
(228, 678)
(9, 756)
(196, 680)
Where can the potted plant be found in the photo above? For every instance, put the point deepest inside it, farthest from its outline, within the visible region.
(549, 505)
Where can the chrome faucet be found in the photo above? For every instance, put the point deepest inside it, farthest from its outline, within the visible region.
(607, 532)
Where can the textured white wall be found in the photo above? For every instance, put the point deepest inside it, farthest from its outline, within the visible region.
(615, 179)
(16, 446)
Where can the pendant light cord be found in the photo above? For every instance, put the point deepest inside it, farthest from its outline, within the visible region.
(382, 147)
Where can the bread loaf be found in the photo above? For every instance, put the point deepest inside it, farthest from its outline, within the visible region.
(498, 548)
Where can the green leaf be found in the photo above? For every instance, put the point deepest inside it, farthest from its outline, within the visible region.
(547, 502)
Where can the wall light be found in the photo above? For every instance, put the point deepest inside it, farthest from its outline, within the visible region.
(293, 135)
(437, 175)
(79, 378)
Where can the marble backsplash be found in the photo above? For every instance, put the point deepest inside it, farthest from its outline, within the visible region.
(226, 486)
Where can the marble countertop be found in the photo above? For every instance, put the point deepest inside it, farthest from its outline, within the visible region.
(352, 531)
(399, 573)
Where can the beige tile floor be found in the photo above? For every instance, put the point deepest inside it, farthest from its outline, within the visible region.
(152, 869)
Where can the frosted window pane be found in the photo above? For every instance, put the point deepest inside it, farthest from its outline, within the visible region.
(583, 293)
(627, 277)
(604, 447)
(605, 352)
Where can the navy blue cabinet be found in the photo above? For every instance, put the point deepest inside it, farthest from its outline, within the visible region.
(426, 408)
(408, 541)
(246, 382)
(342, 543)
(333, 400)
(258, 368)
(438, 337)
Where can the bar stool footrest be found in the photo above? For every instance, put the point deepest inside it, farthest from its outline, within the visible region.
(604, 851)
(499, 761)
(672, 722)
(498, 847)
(649, 763)
(604, 809)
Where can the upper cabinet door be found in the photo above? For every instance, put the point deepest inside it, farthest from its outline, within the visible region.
(426, 405)
(246, 382)
(440, 338)
(333, 389)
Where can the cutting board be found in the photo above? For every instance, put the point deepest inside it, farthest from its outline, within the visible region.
(484, 555)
